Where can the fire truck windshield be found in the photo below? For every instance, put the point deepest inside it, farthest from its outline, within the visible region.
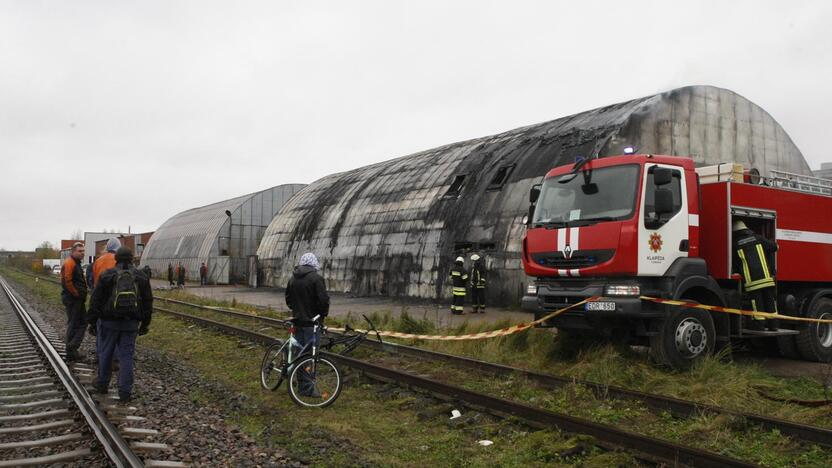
(604, 194)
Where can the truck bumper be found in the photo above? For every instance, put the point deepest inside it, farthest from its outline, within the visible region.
(552, 297)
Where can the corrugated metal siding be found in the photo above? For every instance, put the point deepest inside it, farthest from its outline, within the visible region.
(195, 236)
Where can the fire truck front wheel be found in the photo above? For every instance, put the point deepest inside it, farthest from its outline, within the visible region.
(815, 339)
(684, 337)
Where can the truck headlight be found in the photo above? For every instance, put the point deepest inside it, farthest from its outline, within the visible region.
(531, 290)
(622, 290)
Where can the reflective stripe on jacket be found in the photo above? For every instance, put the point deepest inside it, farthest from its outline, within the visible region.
(477, 276)
(458, 280)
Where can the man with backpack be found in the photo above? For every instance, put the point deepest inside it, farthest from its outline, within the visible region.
(120, 310)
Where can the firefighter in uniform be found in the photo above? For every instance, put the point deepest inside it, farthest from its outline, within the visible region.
(754, 259)
(458, 280)
(478, 284)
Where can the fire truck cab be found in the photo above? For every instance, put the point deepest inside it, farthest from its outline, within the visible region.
(628, 226)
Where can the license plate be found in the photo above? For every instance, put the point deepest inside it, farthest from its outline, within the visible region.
(605, 306)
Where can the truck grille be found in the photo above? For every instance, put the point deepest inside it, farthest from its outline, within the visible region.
(579, 258)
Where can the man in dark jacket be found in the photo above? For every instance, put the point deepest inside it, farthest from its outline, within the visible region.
(754, 259)
(117, 330)
(306, 296)
(180, 273)
(203, 274)
(74, 297)
(170, 274)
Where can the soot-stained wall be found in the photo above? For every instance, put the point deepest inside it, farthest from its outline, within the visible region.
(392, 228)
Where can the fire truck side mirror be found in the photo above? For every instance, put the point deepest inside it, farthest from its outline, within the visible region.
(663, 201)
(534, 193)
(529, 217)
(662, 176)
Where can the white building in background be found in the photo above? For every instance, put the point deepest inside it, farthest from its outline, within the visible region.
(825, 171)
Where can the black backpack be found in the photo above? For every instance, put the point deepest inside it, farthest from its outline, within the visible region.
(125, 296)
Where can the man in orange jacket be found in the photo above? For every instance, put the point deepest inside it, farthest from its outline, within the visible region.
(106, 261)
(74, 297)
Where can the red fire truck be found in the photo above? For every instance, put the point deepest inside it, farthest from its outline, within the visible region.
(637, 225)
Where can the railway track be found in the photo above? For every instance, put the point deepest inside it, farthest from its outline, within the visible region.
(648, 448)
(675, 406)
(46, 413)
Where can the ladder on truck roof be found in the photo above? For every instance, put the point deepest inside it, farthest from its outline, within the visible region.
(801, 183)
(733, 172)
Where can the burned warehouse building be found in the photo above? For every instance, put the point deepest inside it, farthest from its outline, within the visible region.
(394, 228)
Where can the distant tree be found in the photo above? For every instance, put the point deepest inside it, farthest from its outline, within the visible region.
(77, 234)
(46, 250)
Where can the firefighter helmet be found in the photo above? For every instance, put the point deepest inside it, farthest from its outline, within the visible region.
(739, 226)
(460, 260)
(475, 257)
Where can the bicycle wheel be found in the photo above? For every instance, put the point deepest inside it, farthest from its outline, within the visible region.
(314, 383)
(272, 368)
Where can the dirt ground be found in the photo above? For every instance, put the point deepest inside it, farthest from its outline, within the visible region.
(342, 304)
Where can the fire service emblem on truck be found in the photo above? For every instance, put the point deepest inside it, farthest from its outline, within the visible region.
(655, 242)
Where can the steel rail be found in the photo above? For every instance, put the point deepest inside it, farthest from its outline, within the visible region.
(116, 448)
(665, 451)
(677, 407)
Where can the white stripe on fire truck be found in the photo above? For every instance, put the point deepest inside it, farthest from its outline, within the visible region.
(561, 239)
(575, 272)
(804, 236)
(563, 273)
(574, 234)
(693, 220)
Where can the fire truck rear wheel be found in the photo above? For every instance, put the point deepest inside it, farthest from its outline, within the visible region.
(815, 339)
(683, 338)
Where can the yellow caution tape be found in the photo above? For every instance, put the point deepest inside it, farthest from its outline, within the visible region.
(729, 310)
(475, 336)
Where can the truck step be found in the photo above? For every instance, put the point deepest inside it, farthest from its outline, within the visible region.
(766, 333)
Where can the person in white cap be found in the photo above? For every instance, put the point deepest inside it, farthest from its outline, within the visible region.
(477, 284)
(458, 279)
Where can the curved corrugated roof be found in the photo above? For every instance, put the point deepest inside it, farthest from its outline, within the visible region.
(192, 236)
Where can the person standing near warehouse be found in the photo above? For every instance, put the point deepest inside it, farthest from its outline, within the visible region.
(459, 278)
(106, 261)
(180, 275)
(754, 259)
(478, 284)
(307, 298)
(203, 274)
(74, 297)
(170, 274)
(120, 310)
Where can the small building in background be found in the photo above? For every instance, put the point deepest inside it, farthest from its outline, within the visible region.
(825, 171)
(90, 244)
(135, 242)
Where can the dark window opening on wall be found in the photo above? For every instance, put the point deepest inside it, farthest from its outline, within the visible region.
(463, 246)
(456, 187)
(478, 246)
(500, 178)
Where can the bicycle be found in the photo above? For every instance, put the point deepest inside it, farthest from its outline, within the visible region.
(314, 381)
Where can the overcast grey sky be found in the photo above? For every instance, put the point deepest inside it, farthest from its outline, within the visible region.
(124, 113)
